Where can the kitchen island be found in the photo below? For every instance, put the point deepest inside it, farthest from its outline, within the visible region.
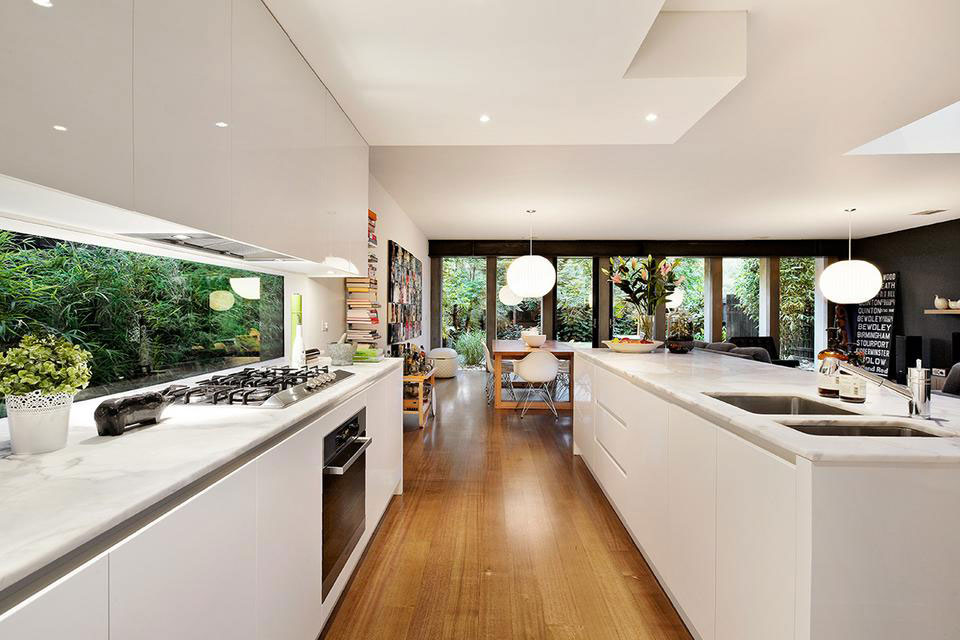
(204, 525)
(759, 531)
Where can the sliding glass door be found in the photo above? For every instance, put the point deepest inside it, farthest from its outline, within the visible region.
(575, 318)
(463, 304)
(511, 320)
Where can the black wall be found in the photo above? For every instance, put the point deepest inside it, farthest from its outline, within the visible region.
(928, 259)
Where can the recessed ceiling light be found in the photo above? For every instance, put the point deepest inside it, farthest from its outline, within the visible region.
(221, 124)
(59, 127)
(651, 117)
(43, 3)
(484, 118)
(181, 236)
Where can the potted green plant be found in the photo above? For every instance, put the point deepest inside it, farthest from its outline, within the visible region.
(647, 284)
(38, 380)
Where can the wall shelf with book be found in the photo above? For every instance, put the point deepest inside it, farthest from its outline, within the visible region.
(363, 307)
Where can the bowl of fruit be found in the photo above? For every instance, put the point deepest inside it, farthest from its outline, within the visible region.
(632, 345)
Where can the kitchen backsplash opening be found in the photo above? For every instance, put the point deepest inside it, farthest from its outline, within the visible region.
(146, 319)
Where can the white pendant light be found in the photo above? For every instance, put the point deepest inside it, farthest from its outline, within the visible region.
(850, 281)
(531, 276)
(246, 288)
(508, 297)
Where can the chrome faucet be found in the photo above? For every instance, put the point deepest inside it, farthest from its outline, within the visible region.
(916, 391)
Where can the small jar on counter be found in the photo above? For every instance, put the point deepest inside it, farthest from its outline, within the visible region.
(852, 388)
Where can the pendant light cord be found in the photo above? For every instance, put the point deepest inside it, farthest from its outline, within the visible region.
(530, 213)
(850, 232)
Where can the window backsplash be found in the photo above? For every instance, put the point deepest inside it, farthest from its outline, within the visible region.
(146, 319)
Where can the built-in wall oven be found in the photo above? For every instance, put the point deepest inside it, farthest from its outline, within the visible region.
(344, 494)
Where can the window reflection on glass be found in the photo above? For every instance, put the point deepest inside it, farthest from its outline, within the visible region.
(741, 297)
(575, 301)
(146, 319)
(797, 294)
(511, 320)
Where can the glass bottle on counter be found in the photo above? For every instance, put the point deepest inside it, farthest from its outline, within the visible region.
(853, 388)
(828, 378)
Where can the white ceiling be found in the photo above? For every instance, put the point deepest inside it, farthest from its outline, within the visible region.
(822, 78)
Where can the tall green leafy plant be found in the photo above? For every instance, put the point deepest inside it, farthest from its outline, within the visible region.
(646, 283)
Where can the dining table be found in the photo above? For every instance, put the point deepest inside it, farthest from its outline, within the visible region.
(517, 350)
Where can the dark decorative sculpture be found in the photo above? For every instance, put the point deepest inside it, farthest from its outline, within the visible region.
(115, 415)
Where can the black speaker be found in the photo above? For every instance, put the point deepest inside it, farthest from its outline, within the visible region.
(907, 350)
(955, 353)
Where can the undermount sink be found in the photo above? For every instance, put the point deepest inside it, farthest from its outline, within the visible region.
(781, 405)
(859, 428)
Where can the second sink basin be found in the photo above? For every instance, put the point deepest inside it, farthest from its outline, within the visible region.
(859, 427)
(781, 405)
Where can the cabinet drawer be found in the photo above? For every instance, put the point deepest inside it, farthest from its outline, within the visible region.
(613, 436)
(616, 394)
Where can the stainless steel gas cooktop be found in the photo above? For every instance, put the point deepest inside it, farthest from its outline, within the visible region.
(263, 387)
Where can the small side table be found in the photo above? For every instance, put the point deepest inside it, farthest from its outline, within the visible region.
(422, 403)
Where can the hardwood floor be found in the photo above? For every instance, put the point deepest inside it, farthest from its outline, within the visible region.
(501, 533)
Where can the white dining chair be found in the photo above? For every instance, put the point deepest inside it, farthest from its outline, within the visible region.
(538, 370)
(506, 372)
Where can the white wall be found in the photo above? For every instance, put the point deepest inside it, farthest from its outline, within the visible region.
(323, 300)
(394, 224)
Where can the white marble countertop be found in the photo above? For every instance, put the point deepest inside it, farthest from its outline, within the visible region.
(52, 503)
(683, 379)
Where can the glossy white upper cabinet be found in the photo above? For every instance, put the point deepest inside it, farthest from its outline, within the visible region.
(181, 99)
(347, 171)
(68, 66)
(277, 133)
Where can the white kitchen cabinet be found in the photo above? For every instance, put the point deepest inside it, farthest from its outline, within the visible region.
(69, 65)
(646, 510)
(289, 536)
(690, 555)
(278, 188)
(756, 542)
(74, 607)
(584, 374)
(385, 454)
(181, 91)
(192, 573)
(347, 170)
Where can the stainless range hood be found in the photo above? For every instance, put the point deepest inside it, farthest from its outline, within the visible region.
(216, 245)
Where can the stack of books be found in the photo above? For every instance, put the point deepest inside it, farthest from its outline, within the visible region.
(363, 310)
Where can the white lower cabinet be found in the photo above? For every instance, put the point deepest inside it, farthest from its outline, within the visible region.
(289, 532)
(385, 453)
(74, 607)
(646, 512)
(756, 542)
(191, 574)
(689, 562)
(583, 408)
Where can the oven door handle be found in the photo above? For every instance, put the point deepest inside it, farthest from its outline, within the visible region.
(339, 471)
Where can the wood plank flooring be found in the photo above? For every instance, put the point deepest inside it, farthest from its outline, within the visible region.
(501, 533)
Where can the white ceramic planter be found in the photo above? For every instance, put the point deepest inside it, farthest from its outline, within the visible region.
(38, 423)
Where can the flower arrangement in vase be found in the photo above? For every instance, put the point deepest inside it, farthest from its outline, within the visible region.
(647, 284)
(38, 380)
